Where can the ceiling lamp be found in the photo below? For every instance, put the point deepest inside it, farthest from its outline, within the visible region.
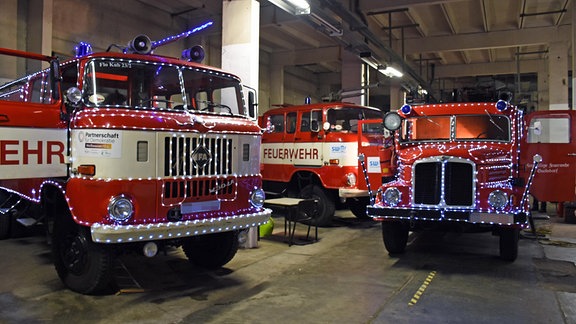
(295, 7)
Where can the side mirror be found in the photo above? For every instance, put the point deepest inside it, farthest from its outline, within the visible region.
(537, 128)
(252, 112)
(314, 126)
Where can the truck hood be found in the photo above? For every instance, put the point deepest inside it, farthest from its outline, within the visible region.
(163, 121)
(479, 154)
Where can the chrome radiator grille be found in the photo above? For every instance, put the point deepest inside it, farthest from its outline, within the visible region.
(197, 156)
(444, 182)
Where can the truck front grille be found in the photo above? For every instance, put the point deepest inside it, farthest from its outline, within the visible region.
(444, 182)
(197, 156)
(222, 188)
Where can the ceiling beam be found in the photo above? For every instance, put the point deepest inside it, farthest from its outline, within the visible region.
(477, 41)
(495, 68)
(379, 5)
(307, 56)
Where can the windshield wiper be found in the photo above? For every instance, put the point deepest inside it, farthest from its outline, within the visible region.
(430, 119)
(492, 121)
(210, 104)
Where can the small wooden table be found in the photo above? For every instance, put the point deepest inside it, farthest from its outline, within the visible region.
(289, 208)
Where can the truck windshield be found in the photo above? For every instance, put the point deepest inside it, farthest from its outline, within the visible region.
(147, 85)
(346, 119)
(483, 127)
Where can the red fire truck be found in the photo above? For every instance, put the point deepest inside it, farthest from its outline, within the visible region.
(551, 134)
(458, 168)
(113, 151)
(312, 152)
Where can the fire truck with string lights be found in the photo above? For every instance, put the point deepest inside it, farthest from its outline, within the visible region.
(459, 168)
(312, 152)
(115, 151)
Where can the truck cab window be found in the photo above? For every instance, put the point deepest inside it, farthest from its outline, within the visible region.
(291, 123)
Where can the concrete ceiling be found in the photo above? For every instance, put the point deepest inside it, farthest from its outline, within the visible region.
(438, 39)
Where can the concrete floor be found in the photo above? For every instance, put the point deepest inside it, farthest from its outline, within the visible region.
(346, 277)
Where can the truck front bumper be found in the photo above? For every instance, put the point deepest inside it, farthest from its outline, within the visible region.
(352, 193)
(172, 230)
(467, 216)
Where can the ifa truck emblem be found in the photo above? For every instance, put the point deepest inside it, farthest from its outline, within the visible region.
(201, 157)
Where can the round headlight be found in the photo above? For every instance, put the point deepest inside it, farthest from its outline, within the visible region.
(350, 179)
(392, 196)
(74, 95)
(257, 198)
(498, 199)
(392, 121)
(120, 208)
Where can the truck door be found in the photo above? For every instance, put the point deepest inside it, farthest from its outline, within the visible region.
(307, 146)
(376, 156)
(551, 134)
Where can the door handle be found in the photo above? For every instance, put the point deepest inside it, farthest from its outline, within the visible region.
(571, 154)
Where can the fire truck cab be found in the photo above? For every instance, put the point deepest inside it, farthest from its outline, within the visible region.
(311, 151)
(458, 169)
(119, 151)
(551, 133)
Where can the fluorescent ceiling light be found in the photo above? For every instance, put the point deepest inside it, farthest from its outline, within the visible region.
(391, 72)
(295, 7)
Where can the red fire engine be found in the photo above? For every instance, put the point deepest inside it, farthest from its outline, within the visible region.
(551, 134)
(312, 152)
(458, 168)
(113, 151)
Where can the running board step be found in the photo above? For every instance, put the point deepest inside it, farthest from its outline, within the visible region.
(27, 221)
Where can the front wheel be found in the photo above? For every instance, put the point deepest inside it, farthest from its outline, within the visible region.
(82, 265)
(211, 251)
(509, 243)
(326, 206)
(395, 236)
(358, 207)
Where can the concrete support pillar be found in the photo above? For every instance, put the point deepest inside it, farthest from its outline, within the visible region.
(8, 37)
(396, 96)
(39, 31)
(240, 39)
(276, 84)
(351, 76)
(558, 75)
(543, 88)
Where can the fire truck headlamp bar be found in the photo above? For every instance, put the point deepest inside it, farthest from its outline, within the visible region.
(120, 208)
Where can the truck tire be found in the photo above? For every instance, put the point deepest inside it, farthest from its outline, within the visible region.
(326, 206)
(570, 213)
(509, 243)
(82, 265)
(358, 207)
(395, 236)
(5, 221)
(211, 251)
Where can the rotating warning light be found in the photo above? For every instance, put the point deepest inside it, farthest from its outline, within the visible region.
(406, 109)
(82, 49)
(501, 105)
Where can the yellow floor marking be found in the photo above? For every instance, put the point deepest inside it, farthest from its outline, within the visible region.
(422, 288)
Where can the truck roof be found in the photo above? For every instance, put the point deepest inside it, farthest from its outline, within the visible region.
(320, 105)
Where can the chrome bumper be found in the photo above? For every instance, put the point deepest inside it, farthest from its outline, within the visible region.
(352, 193)
(172, 230)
